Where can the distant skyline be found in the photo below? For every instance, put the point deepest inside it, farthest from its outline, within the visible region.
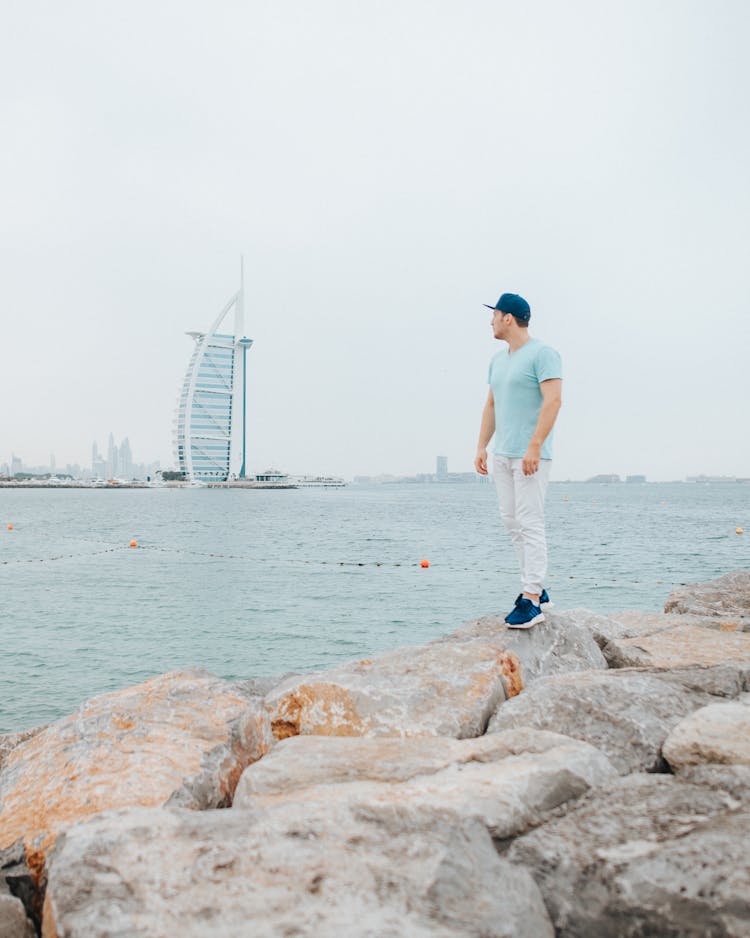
(385, 169)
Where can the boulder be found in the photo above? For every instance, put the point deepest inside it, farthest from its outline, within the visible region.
(651, 855)
(506, 781)
(718, 733)
(733, 779)
(427, 690)
(164, 872)
(180, 738)
(625, 714)
(448, 687)
(558, 645)
(679, 647)
(727, 597)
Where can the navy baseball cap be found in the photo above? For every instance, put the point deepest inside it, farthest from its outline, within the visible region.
(514, 304)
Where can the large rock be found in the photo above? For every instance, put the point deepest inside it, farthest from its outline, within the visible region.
(506, 781)
(625, 714)
(446, 688)
(727, 596)
(678, 647)
(558, 645)
(650, 856)
(718, 733)
(426, 690)
(181, 738)
(165, 872)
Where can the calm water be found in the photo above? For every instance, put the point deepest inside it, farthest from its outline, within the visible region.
(257, 582)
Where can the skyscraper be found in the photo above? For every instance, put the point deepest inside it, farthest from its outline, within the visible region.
(112, 466)
(210, 436)
(125, 459)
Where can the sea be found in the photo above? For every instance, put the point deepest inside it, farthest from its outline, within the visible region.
(260, 582)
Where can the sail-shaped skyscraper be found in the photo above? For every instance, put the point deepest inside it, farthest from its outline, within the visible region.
(210, 427)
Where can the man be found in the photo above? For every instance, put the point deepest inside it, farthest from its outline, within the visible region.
(522, 405)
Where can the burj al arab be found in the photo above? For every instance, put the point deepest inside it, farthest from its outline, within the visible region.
(210, 439)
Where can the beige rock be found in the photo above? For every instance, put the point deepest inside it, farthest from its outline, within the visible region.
(727, 597)
(446, 688)
(162, 873)
(626, 714)
(505, 781)
(182, 738)
(718, 733)
(427, 690)
(678, 647)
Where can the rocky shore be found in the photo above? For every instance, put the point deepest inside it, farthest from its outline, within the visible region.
(589, 777)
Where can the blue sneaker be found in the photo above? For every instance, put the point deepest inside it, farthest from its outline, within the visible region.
(544, 599)
(524, 614)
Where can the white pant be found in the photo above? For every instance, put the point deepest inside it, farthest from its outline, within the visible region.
(522, 510)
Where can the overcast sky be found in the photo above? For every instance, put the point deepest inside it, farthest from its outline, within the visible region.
(385, 168)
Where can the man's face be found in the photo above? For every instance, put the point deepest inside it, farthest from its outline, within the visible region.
(501, 324)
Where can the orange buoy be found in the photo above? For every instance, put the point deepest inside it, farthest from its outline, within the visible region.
(739, 531)
(424, 563)
(134, 543)
(10, 527)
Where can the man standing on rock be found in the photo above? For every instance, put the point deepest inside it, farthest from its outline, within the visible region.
(522, 405)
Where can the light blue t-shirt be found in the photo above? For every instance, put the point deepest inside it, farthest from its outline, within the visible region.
(515, 381)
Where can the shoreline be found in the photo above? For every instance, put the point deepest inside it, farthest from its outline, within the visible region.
(589, 734)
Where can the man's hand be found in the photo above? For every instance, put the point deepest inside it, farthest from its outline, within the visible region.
(531, 459)
(480, 462)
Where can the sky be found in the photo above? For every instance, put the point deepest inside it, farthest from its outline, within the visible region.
(385, 168)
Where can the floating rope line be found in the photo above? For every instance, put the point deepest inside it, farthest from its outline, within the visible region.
(96, 553)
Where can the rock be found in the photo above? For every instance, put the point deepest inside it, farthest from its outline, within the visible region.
(625, 714)
(448, 687)
(679, 647)
(727, 597)
(427, 690)
(164, 872)
(651, 855)
(13, 920)
(637, 622)
(720, 680)
(718, 733)
(506, 781)
(560, 644)
(16, 880)
(602, 628)
(182, 738)
(734, 779)
(9, 741)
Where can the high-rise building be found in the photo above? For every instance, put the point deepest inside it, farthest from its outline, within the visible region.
(210, 425)
(125, 459)
(441, 468)
(112, 461)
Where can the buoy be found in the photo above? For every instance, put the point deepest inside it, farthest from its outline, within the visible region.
(134, 543)
(739, 531)
(10, 527)
(424, 563)
(565, 498)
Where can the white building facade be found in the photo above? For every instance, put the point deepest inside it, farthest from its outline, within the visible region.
(210, 439)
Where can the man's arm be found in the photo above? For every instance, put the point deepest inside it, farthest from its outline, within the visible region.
(485, 434)
(551, 404)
